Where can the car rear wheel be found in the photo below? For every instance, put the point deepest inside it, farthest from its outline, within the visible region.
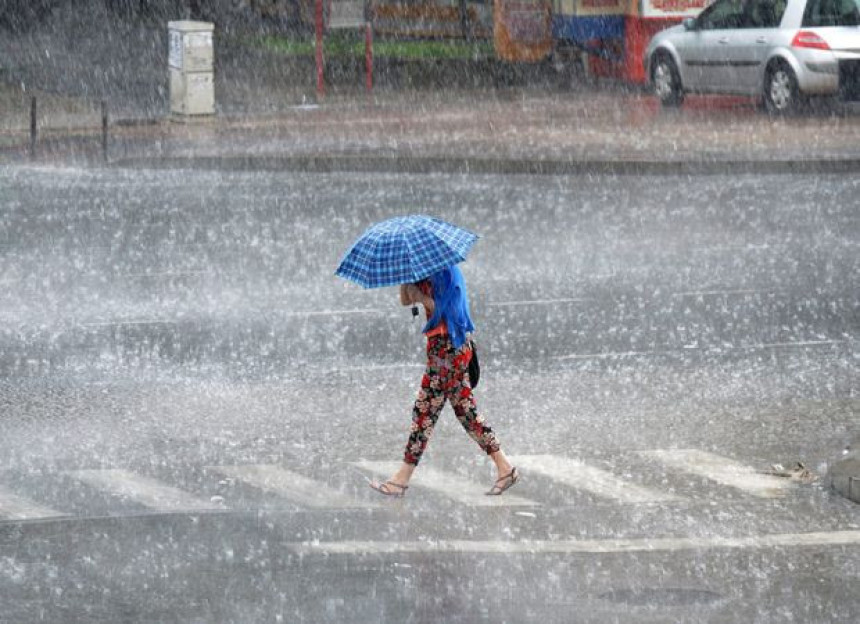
(666, 80)
(781, 95)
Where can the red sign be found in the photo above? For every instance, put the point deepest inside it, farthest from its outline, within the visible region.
(522, 29)
(675, 8)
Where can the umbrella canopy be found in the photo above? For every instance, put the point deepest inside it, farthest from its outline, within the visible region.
(403, 250)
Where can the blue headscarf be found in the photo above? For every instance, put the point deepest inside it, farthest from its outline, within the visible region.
(451, 305)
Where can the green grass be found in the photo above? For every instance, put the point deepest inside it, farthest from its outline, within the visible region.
(336, 45)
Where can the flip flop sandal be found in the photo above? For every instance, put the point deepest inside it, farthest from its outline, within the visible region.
(386, 489)
(506, 482)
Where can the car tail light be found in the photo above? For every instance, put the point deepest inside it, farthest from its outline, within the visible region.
(808, 39)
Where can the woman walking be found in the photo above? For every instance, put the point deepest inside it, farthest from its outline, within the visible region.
(446, 378)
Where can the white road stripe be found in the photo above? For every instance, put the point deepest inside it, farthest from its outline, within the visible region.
(803, 343)
(609, 546)
(611, 354)
(337, 312)
(372, 367)
(528, 302)
(16, 507)
(716, 349)
(722, 470)
(307, 314)
(168, 273)
(130, 323)
(143, 490)
(706, 293)
(576, 474)
(291, 486)
(448, 485)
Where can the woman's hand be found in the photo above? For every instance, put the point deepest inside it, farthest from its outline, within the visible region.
(410, 294)
(407, 294)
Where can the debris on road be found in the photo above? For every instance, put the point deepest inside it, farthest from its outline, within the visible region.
(798, 473)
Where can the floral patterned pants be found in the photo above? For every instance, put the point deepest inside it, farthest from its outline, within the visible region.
(446, 378)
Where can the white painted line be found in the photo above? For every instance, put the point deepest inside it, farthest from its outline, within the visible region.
(143, 490)
(707, 293)
(448, 485)
(807, 343)
(528, 302)
(16, 507)
(596, 547)
(372, 367)
(292, 486)
(581, 476)
(336, 312)
(168, 273)
(308, 314)
(121, 323)
(720, 349)
(722, 470)
(613, 354)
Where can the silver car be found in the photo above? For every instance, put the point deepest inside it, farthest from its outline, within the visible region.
(784, 50)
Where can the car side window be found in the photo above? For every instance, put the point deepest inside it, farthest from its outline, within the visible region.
(722, 14)
(820, 13)
(765, 13)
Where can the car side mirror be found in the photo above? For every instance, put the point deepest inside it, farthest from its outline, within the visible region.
(689, 23)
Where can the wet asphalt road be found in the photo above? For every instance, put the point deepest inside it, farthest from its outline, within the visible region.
(167, 322)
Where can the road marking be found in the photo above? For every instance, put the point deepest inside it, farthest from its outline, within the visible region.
(528, 302)
(358, 311)
(706, 349)
(130, 323)
(16, 507)
(373, 367)
(168, 273)
(166, 321)
(291, 485)
(448, 485)
(143, 490)
(576, 474)
(806, 343)
(722, 470)
(708, 293)
(565, 547)
(611, 354)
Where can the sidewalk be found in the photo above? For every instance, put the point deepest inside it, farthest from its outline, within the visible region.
(462, 118)
(844, 476)
(525, 130)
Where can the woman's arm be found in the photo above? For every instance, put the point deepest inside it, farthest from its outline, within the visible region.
(405, 295)
(411, 294)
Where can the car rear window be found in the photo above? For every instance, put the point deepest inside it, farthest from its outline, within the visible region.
(831, 13)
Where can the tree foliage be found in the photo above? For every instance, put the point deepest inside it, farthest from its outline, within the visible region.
(22, 15)
(19, 15)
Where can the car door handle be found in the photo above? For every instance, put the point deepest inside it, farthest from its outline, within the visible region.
(724, 40)
(761, 40)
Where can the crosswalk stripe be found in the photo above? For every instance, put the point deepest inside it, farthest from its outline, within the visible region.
(143, 490)
(16, 507)
(291, 485)
(448, 485)
(581, 476)
(722, 470)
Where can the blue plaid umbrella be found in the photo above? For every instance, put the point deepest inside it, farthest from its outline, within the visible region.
(404, 250)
